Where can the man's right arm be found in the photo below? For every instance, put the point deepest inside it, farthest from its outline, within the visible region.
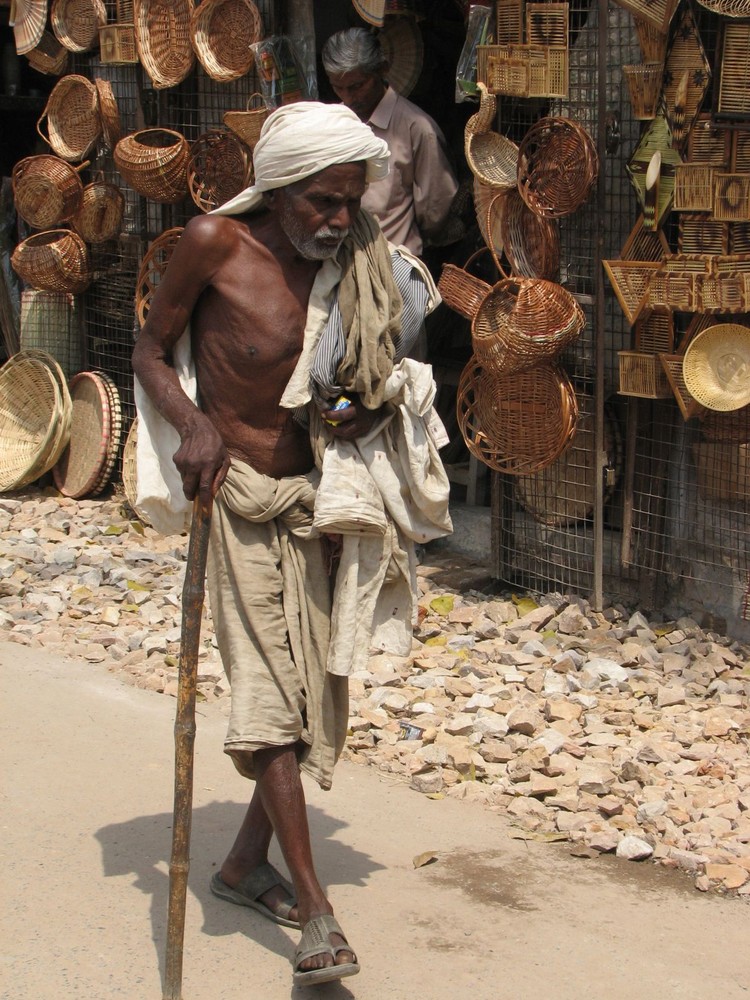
(201, 459)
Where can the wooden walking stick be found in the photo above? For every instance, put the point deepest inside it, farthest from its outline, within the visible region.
(184, 738)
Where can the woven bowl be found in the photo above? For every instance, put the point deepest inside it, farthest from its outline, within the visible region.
(222, 32)
(154, 163)
(716, 367)
(53, 261)
(76, 23)
(99, 215)
(220, 167)
(557, 167)
(46, 190)
(72, 115)
(162, 37)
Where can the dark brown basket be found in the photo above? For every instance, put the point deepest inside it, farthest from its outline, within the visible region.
(220, 167)
(461, 290)
(524, 322)
(519, 423)
(76, 23)
(99, 216)
(222, 33)
(154, 163)
(72, 114)
(153, 266)
(162, 37)
(531, 243)
(46, 190)
(49, 57)
(53, 261)
(109, 112)
(557, 167)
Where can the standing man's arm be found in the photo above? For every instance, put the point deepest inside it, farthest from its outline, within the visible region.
(435, 183)
(201, 459)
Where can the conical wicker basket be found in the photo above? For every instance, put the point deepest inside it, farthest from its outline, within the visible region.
(72, 115)
(531, 243)
(222, 32)
(76, 23)
(162, 37)
(46, 190)
(154, 163)
(99, 215)
(153, 266)
(524, 322)
(247, 124)
(518, 423)
(54, 261)
(492, 158)
(557, 167)
(220, 167)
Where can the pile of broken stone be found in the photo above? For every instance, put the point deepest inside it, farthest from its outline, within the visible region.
(605, 729)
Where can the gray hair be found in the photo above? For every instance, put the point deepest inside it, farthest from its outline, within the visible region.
(353, 49)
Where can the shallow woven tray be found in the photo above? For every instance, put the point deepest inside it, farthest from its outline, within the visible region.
(222, 32)
(162, 37)
(115, 433)
(76, 23)
(716, 367)
(108, 112)
(557, 167)
(530, 242)
(83, 461)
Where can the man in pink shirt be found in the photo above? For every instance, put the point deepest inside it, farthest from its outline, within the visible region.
(413, 202)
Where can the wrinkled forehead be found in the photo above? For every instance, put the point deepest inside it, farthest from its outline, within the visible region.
(345, 179)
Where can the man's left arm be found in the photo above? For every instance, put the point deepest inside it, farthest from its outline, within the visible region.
(435, 183)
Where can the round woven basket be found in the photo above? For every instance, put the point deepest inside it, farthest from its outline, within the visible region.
(154, 163)
(716, 367)
(531, 243)
(220, 167)
(461, 290)
(46, 190)
(33, 418)
(492, 158)
(99, 215)
(76, 23)
(81, 465)
(55, 260)
(60, 438)
(557, 167)
(108, 112)
(72, 114)
(162, 37)
(222, 32)
(153, 266)
(115, 433)
(130, 466)
(519, 423)
(247, 124)
(524, 322)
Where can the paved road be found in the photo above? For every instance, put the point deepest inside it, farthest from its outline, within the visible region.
(87, 802)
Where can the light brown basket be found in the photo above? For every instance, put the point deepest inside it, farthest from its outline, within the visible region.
(247, 124)
(222, 33)
(117, 45)
(461, 290)
(130, 466)
(492, 158)
(54, 261)
(708, 143)
(557, 167)
(716, 367)
(46, 190)
(517, 424)
(162, 38)
(72, 115)
(723, 470)
(644, 244)
(547, 24)
(672, 365)
(652, 40)
(154, 163)
(153, 266)
(524, 322)
(99, 216)
(109, 112)
(694, 187)
(740, 156)
(49, 57)
(80, 466)
(76, 23)
(630, 280)
(509, 21)
(654, 334)
(642, 375)
(657, 12)
(530, 242)
(701, 234)
(115, 433)
(220, 167)
(644, 85)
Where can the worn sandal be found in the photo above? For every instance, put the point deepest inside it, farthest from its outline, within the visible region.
(248, 891)
(315, 941)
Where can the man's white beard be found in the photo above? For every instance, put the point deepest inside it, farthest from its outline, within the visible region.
(309, 246)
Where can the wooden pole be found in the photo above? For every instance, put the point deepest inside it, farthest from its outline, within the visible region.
(184, 737)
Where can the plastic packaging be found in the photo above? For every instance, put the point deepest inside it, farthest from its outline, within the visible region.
(282, 79)
(478, 32)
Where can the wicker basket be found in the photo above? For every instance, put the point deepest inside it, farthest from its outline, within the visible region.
(46, 190)
(53, 261)
(247, 124)
(672, 365)
(162, 37)
(115, 433)
(153, 266)
(109, 112)
(642, 375)
(644, 84)
(222, 33)
(61, 436)
(220, 167)
(76, 23)
(557, 167)
(519, 423)
(154, 163)
(49, 57)
(99, 216)
(461, 290)
(530, 242)
(72, 114)
(117, 45)
(654, 333)
(716, 367)
(130, 466)
(80, 466)
(492, 158)
(631, 280)
(524, 322)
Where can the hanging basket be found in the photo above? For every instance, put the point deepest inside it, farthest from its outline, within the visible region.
(46, 190)
(222, 32)
(247, 124)
(557, 167)
(461, 290)
(109, 112)
(519, 423)
(48, 57)
(644, 84)
(492, 158)
(162, 37)
(153, 266)
(99, 216)
(220, 167)
(53, 261)
(72, 114)
(76, 23)
(531, 243)
(154, 163)
(524, 322)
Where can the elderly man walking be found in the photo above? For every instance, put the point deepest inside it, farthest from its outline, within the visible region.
(276, 305)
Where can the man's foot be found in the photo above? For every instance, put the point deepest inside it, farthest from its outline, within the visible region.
(323, 954)
(263, 889)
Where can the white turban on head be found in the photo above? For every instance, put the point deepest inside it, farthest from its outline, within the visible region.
(299, 140)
